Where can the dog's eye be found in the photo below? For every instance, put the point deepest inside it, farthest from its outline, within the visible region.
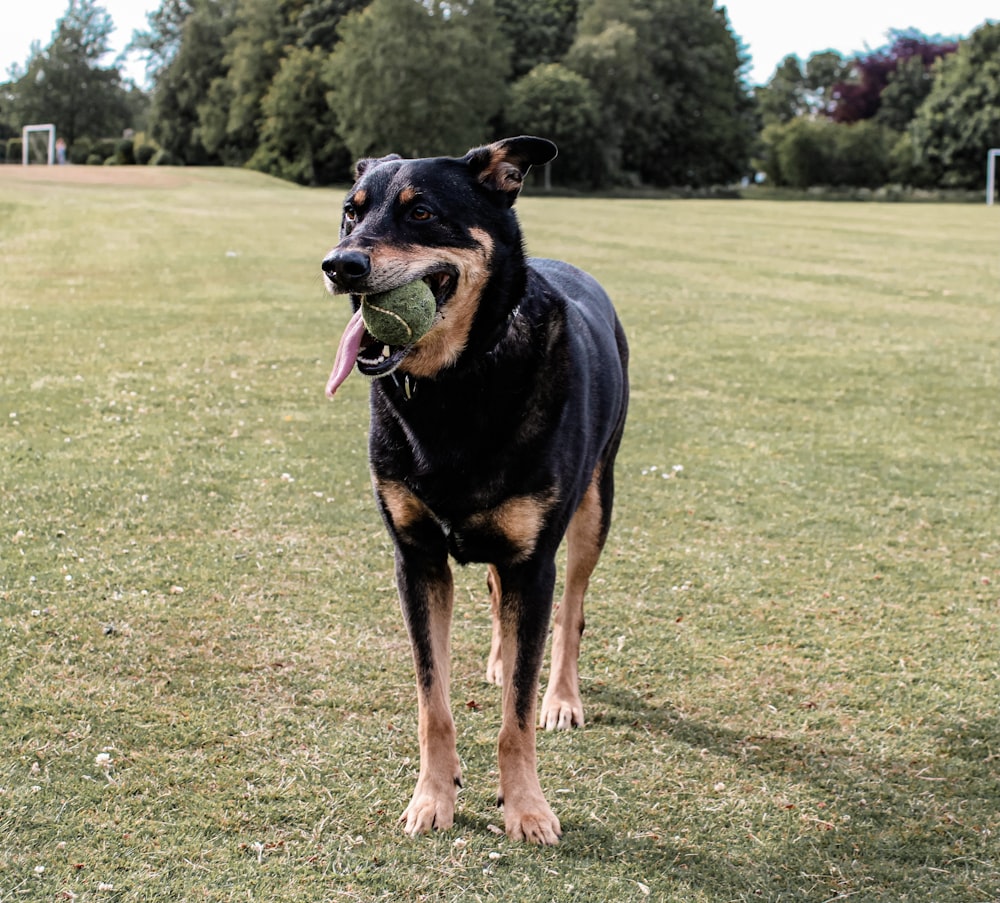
(350, 213)
(421, 214)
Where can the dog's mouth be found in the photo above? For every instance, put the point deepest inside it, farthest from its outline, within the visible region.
(372, 356)
(375, 358)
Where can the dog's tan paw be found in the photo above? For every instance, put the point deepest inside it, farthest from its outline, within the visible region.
(560, 712)
(427, 813)
(538, 826)
(494, 671)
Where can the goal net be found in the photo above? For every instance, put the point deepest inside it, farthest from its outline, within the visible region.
(991, 173)
(38, 144)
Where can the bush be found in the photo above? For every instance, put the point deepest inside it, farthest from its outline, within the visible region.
(95, 160)
(3, 151)
(104, 148)
(124, 154)
(14, 146)
(806, 152)
(144, 153)
(163, 157)
(79, 150)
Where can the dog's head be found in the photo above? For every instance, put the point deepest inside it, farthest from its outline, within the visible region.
(448, 221)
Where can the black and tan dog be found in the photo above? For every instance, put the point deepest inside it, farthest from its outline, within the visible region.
(492, 437)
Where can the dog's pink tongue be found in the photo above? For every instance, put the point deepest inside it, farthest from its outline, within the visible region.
(347, 354)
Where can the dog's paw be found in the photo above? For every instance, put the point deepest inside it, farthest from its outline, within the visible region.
(427, 813)
(560, 712)
(539, 825)
(494, 671)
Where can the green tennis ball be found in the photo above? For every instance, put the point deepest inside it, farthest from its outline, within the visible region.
(401, 315)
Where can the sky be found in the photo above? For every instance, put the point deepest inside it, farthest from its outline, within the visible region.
(771, 29)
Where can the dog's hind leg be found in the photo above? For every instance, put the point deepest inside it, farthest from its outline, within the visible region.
(494, 666)
(562, 707)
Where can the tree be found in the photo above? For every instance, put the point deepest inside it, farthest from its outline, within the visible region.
(417, 78)
(541, 30)
(183, 83)
(557, 103)
(795, 90)
(690, 120)
(860, 97)
(65, 83)
(610, 63)
(160, 43)
(960, 119)
(298, 135)
(229, 116)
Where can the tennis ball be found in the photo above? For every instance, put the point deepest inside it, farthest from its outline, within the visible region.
(401, 315)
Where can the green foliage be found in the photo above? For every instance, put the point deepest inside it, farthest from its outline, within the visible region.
(144, 153)
(183, 84)
(163, 157)
(79, 150)
(794, 91)
(909, 84)
(807, 152)
(960, 119)
(125, 152)
(15, 149)
(105, 148)
(554, 101)
(418, 80)
(229, 116)
(299, 139)
(541, 31)
(65, 83)
(692, 122)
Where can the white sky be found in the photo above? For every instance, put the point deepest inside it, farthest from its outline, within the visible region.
(772, 29)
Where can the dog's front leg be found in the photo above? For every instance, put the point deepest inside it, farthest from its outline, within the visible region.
(426, 597)
(525, 606)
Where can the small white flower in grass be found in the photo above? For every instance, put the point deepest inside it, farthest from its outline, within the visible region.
(39, 869)
(287, 478)
(105, 885)
(103, 760)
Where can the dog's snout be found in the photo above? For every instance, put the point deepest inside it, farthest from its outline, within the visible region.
(347, 268)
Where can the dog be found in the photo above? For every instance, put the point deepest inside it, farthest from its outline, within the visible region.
(492, 437)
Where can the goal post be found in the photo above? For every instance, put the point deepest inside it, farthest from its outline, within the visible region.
(992, 156)
(50, 134)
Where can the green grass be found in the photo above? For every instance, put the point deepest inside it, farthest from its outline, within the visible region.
(791, 664)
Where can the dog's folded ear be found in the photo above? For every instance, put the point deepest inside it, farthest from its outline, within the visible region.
(503, 165)
(368, 162)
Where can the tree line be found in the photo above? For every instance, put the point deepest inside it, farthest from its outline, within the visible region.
(634, 92)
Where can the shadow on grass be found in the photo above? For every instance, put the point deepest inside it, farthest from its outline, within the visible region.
(843, 820)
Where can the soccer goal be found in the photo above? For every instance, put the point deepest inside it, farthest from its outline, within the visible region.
(41, 138)
(991, 173)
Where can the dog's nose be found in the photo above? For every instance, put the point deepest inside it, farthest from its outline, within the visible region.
(347, 268)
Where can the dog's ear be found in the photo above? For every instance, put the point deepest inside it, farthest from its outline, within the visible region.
(503, 165)
(368, 162)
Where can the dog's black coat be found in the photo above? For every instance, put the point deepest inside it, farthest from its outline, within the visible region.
(485, 449)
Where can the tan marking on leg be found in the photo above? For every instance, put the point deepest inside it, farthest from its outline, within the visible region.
(562, 706)
(494, 666)
(403, 506)
(433, 803)
(527, 815)
(520, 519)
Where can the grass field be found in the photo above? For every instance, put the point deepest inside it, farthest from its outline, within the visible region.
(790, 672)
